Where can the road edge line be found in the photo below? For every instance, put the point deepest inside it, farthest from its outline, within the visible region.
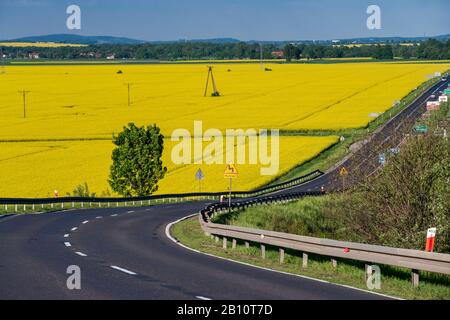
(169, 235)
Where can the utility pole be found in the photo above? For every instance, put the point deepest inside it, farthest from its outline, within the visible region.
(3, 62)
(128, 84)
(261, 55)
(24, 94)
(215, 92)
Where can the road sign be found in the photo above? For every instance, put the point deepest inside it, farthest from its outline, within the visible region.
(382, 159)
(199, 175)
(431, 235)
(230, 171)
(447, 91)
(421, 128)
(394, 150)
(343, 171)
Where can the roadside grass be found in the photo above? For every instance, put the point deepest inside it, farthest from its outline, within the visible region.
(394, 281)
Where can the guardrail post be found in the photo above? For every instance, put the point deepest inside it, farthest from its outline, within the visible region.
(415, 278)
(334, 263)
(233, 244)
(304, 260)
(225, 242)
(263, 251)
(281, 255)
(247, 244)
(33, 206)
(216, 239)
(16, 207)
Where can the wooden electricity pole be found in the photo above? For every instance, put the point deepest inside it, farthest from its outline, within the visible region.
(128, 84)
(24, 94)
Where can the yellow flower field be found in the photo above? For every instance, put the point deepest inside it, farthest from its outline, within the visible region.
(36, 169)
(91, 101)
(39, 44)
(82, 102)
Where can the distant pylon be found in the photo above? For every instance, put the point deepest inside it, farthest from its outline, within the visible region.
(215, 92)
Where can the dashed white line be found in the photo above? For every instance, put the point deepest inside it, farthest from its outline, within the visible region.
(130, 211)
(114, 215)
(81, 254)
(67, 244)
(98, 217)
(124, 270)
(74, 228)
(203, 298)
(85, 221)
(66, 235)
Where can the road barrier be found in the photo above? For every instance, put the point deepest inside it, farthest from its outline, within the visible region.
(415, 260)
(33, 204)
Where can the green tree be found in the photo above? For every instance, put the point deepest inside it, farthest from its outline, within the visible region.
(137, 165)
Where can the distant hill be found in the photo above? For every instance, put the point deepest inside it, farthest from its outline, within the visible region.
(78, 39)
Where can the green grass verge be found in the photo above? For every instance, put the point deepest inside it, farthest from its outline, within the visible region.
(394, 281)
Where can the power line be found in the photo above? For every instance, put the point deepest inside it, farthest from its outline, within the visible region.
(24, 94)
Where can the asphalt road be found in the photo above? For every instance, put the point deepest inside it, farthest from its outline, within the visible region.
(123, 253)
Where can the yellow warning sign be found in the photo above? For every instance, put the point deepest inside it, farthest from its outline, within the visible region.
(230, 171)
(343, 171)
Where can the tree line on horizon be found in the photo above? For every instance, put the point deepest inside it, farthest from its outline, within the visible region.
(431, 49)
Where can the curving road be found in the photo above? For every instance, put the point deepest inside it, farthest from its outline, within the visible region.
(35, 255)
(124, 253)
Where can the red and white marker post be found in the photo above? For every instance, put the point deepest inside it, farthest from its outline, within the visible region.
(431, 235)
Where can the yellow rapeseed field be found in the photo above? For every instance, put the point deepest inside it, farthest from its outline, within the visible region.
(91, 102)
(36, 169)
(39, 44)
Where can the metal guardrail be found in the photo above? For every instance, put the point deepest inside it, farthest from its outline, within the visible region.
(406, 258)
(162, 198)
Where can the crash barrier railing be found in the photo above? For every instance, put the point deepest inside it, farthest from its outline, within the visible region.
(415, 260)
(24, 204)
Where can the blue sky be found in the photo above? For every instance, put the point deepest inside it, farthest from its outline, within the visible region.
(242, 19)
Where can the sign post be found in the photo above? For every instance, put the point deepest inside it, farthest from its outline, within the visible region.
(230, 173)
(343, 172)
(199, 176)
(431, 235)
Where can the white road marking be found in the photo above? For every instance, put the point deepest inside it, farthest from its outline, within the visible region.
(85, 221)
(114, 215)
(66, 235)
(98, 217)
(81, 254)
(74, 228)
(203, 298)
(130, 211)
(124, 270)
(67, 244)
